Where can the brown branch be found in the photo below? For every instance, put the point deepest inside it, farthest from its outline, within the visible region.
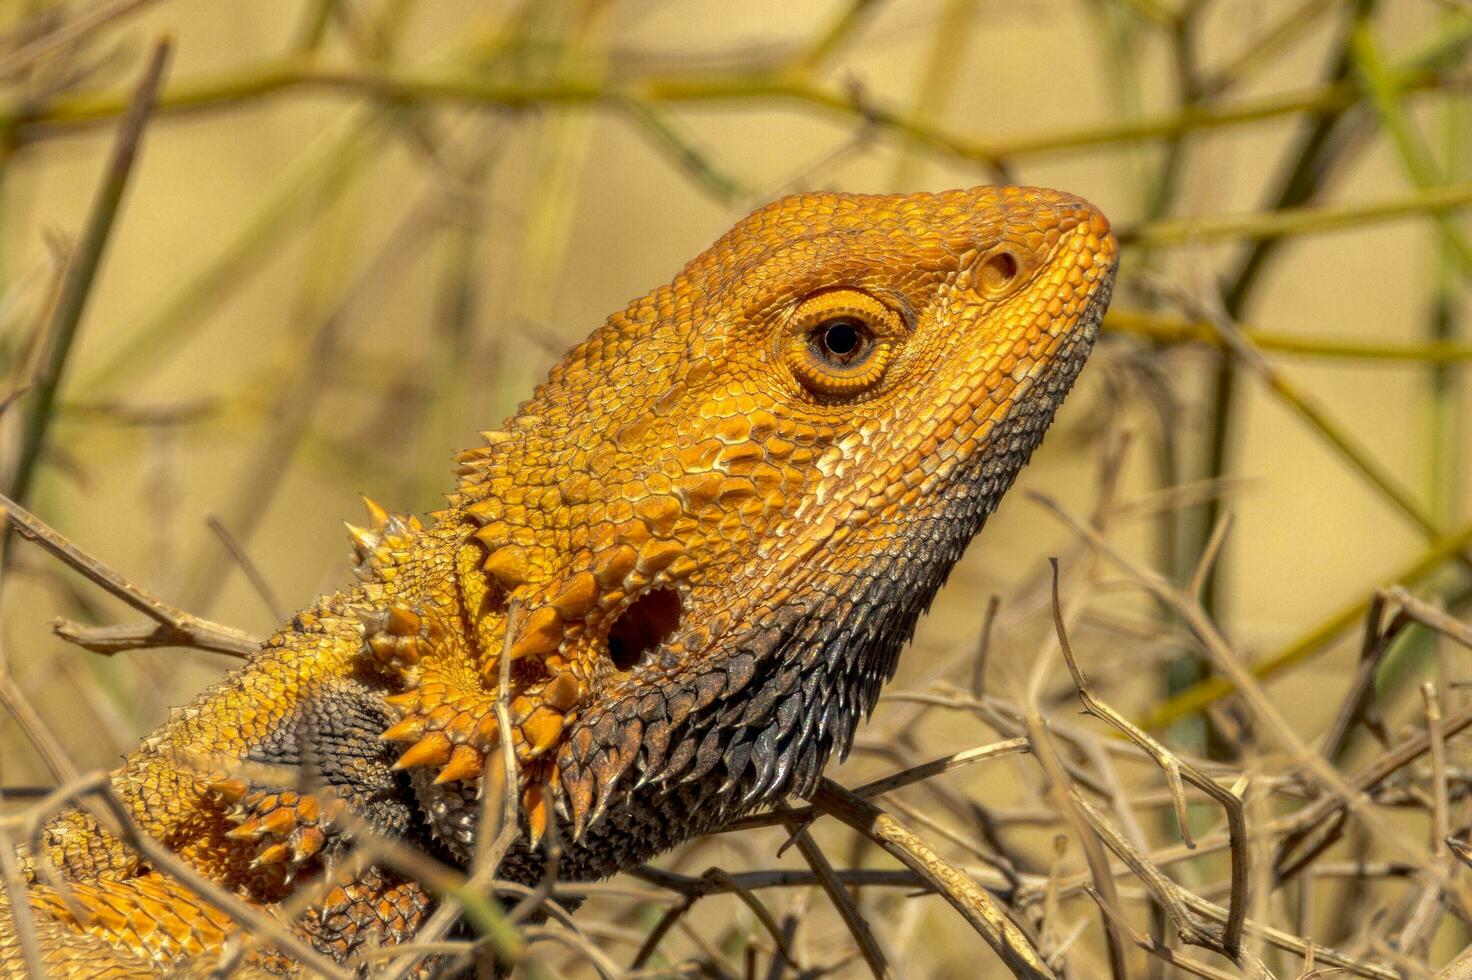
(53, 753)
(1175, 768)
(1066, 801)
(758, 909)
(1226, 662)
(1431, 617)
(487, 856)
(887, 784)
(22, 916)
(958, 888)
(248, 568)
(175, 626)
(847, 908)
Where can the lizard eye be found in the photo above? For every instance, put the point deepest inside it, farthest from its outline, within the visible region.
(840, 342)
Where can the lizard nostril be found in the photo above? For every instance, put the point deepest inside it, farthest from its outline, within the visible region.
(643, 626)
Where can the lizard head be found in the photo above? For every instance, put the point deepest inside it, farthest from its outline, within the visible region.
(702, 542)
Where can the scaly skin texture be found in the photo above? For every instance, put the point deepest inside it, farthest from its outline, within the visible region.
(694, 554)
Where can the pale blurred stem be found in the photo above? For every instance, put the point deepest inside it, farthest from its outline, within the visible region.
(949, 41)
(81, 275)
(450, 373)
(1302, 183)
(1270, 44)
(273, 77)
(323, 300)
(1267, 227)
(319, 175)
(312, 30)
(298, 397)
(1312, 165)
(666, 135)
(1319, 637)
(1451, 266)
(1160, 192)
(839, 31)
(1336, 436)
(1116, 25)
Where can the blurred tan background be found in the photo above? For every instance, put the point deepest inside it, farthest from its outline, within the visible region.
(311, 293)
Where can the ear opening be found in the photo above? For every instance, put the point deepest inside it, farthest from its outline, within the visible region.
(646, 624)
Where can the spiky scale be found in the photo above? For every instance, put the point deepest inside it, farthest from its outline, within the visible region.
(408, 730)
(614, 566)
(658, 555)
(487, 730)
(542, 730)
(229, 790)
(279, 821)
(365, 542)
(278, 853)
(534, 805)
(465, 763)
(508, 565)
(432, 750)
(404, 702)
(308, 843)
(400, 620)
(576, 597)
(247, 829)
(540, 634)
(377, 516)
(562, 692)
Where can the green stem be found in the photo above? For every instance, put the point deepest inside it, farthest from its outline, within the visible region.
(274, 77)
(1165, 329)
(1276, 224)
(81, 275)
(1415, 157)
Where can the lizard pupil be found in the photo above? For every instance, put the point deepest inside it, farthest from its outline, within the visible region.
(840, 340)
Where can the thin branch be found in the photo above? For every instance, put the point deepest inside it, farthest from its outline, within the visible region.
(1313, 641)
(81, 273)
(248, 568)
(1163, 328)
(975, 905)
(176, 627)
(1292, 222)
(22, 916)
(1226, 661)
(96, 796)
(848, 909)
(1175, 768)
(1431, 617)
(72, 30)
(887, 784)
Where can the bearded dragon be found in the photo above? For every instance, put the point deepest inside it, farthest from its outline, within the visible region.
(684, 567)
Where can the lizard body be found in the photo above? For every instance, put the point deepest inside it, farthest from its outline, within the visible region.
(693, 555)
